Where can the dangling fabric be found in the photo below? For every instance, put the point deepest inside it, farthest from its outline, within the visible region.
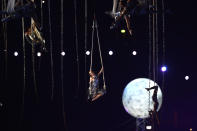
(94, 91)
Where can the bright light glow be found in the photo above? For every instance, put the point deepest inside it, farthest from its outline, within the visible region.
(110, 52)
(15, 53)
(148, 127)
(1, 104)
(87, 52)
(186, 77)
(43, 1)
(63, 53)
(39, 54)
(123, 31)
(190, 129)
(163, 68)
(134, 52)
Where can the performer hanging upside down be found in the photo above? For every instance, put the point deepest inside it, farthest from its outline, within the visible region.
(156, 103)
(16, 11)
(94, 91)
(124, 9)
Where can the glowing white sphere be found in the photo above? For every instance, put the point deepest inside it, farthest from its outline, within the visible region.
(111, 52)
(134, 52)
(15, 53)
(186, 77)
(87, 52)
(63, 53)
(163, 68)
(39, 54)
(136, 98)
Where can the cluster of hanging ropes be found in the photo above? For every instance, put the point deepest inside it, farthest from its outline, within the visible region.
(153, 48)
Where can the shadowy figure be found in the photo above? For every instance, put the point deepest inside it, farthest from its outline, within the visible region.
(153, 113)
(94, 91)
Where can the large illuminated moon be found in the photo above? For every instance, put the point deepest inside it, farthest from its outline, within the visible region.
(136, 99)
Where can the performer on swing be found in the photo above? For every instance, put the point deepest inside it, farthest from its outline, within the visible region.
(156, 103)
(94, 91)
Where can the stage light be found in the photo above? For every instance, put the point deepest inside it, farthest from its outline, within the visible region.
(163, 68)
(1, 104)
(63, 53)
(39, 54)
(123, 31)
(148, 127)
(87, 52)
(186, 77)
(134, 52)
(190, 129)
(111, 52)
(15, 53)
(43, 1)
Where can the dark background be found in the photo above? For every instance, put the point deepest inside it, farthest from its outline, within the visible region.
(178, 111)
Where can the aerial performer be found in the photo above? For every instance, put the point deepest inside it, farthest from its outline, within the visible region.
(95, 91)
(153, 112)
(123, 10)
(15, 10)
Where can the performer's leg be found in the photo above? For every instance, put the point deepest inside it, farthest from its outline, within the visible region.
(126, 17)
(115, 3)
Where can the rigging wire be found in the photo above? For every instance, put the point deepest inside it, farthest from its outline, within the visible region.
(62, 60)
(163, 40)
(96, 25)
(5, 39)
(24, 70)
(86, 37)
(33, 60)
(156, 40)
(51, 50)
(77, 48)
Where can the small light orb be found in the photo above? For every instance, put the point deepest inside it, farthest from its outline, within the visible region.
(63, 53)
(123, 31)
(134, 52)
(43, 1)
(39, 54)
(87, 52)
(186, 77)
(15, 53)
(111, 52)
(148, 127)
(163, 68)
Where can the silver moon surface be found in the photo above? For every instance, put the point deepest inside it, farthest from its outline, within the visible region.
(137, 101)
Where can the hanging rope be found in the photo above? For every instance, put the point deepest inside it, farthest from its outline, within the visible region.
(62, 60)
(51, 50)
(24, 70)
(86, 37)
(33, 59)
(92, 50)
(163, 39)
(77, 48)
(5, 39)
(104, 86)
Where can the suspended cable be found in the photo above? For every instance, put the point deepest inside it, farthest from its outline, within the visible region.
(86, 37)
(62, 60)
(77, 48)
(104, 86)
(24, 69)
(163, 39)
(51, 50)
(153, 44)
(156, 40)
(33, 60)
(5, 39)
